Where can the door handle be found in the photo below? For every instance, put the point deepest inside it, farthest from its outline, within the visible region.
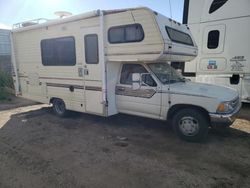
(121, 89)
(80, 72)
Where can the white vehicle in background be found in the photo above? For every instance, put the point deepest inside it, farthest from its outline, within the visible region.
(221, 30)
(116, 61)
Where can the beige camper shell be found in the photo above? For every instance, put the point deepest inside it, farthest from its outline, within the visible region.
(92, 51)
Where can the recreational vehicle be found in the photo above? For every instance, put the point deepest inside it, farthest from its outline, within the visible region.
(221, 30)
(109, 62)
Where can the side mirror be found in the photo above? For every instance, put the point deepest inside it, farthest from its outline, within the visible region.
(136, 81)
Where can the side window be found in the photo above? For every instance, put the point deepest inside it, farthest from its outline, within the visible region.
(58, 51)
(91, 49)
(129, 69)
(213, 39)
(179, 36)
(125, 34)
(216, 4)
(148, 80)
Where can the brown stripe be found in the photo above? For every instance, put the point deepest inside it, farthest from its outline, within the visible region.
(143, 53)
(92, 88)
(54, 78)
(61, 78)
(64, 85)
(178, 53)
(151, 53)
(128, 91)
(22, 76)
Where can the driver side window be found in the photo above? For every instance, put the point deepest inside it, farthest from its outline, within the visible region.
(148, 80)
(129, 69)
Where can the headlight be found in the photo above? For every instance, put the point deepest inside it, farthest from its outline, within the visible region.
(225, 107)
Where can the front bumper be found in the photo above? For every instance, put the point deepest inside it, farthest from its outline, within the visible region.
(224, 119)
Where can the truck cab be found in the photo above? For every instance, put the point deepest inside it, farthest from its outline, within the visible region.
(156, 90)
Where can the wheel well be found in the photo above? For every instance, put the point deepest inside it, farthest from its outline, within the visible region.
(51, 100)
(173, 109)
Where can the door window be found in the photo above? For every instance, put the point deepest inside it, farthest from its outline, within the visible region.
(129, 69)
(91, 49)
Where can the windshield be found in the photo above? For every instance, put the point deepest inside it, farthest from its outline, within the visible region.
(165, 73)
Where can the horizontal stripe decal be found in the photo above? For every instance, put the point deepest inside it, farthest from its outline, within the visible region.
(141, 53)
(91, 88)
(187, 94)
(148, 93)
(49, 78)
(176, 53)
(22, 76)
(55, 78)
(153, 53)
(64, 85)
(127, 91)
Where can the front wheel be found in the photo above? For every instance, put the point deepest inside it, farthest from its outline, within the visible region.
(59, 107)
(191, 125)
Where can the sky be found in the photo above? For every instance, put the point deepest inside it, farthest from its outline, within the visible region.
(14, 11)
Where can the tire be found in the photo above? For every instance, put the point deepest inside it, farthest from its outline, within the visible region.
(191, 125)
(59, 108)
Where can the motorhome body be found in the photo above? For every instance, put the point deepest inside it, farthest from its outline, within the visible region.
(107, 62)
(221, 30)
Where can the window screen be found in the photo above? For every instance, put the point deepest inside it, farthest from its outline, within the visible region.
(58, 51)
(216, 4)
(91, 49)
(125, 34)
(213, 39)
(179, 36)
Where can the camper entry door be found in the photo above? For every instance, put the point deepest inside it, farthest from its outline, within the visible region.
(92, 70)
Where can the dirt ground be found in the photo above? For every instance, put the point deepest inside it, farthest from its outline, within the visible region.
(38, 149)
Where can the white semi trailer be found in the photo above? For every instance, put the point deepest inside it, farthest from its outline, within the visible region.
(221, 30)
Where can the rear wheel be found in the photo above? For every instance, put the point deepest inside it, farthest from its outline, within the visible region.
(191, 125)
(59, 107)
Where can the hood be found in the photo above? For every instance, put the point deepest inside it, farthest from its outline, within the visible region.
(204, 90)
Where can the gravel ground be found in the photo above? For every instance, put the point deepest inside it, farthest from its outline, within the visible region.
(38, 149)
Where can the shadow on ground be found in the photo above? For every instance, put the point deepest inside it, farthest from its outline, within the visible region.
(15, 102)
(245, 111)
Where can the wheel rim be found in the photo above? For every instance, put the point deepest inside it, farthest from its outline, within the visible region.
(189, 126)
(60, 107)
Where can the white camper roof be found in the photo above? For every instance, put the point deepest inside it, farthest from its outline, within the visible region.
(43, 22)
(156, 43)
